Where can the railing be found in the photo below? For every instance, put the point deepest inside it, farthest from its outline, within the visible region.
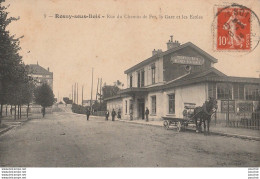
(249, 121)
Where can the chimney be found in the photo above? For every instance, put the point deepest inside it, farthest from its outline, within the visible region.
(154, 52)
(172, 44)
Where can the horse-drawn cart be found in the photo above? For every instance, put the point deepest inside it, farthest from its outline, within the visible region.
(181, 123)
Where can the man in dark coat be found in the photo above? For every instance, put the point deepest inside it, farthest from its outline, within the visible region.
(88, 114)
(119, 114)
(107, 115)
(113, 114)
(146, 114)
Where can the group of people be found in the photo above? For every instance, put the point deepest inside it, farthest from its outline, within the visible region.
(113, 114)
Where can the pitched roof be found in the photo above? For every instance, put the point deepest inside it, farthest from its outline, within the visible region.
(154, 57)
(206, 76)
(37, 69)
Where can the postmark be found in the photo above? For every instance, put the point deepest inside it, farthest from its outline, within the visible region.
(235, 29)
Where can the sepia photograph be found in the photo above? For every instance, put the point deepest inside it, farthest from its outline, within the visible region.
(123, 84)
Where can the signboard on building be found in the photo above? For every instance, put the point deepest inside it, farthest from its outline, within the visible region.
(186, 60)
(225, 104)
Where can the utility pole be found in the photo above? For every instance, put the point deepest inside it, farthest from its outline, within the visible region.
(97, 89)
(100, 93)
(72, 94)
(77, 93)
(82, 94)
(91, 91)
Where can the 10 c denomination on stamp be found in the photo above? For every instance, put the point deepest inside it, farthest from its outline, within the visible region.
(233, 29)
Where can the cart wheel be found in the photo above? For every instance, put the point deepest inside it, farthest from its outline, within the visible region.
(179, 126)
(166, 125)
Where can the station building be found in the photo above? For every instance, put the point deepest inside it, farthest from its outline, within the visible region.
(182, 75)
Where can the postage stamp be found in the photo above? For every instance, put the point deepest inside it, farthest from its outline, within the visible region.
(233, 29)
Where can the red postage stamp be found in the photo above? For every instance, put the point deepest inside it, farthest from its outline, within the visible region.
(233, 29)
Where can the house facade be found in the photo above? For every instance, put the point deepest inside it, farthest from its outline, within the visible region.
(183, 75)
(41, 75)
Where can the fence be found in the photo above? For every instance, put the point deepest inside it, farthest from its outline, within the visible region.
(249, 121)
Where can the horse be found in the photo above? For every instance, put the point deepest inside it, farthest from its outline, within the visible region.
(204, 114)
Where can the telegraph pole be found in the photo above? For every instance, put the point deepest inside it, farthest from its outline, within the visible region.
(72, 94)
(91, 91)
(82, 94)
(97, 89)
(100, 93)
(77, 93)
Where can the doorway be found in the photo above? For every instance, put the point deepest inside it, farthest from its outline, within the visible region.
(141, 108)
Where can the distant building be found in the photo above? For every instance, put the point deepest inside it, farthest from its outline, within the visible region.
(41, 75)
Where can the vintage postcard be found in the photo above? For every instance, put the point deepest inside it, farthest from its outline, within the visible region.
(114, 83)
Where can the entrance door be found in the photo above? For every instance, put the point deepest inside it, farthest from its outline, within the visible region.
(141, 108)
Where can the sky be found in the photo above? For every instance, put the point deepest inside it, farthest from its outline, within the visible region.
(72, 47)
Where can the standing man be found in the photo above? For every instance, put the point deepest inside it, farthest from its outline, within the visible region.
(146, 114)
(88, 113)
(119, 114)
(113, 114)
(107, 115)
(43, 111)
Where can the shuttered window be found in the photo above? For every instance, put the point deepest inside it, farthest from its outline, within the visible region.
(153, 104)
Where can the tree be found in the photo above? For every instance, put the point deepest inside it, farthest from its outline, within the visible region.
(109, 91)
(10, 61)
(67, 100)
(44, 96)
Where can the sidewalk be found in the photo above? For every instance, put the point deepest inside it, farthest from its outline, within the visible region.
(215, 130)
(9, 123)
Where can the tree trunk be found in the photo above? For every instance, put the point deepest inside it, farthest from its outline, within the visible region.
(6, 110)
(1, 115)
(15, 112)
(11, 111)
(1, 109)
(27, 111)
(20, 111)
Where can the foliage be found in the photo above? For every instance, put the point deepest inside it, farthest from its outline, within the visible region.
(44, 95)
(78, 109)
(16, 87)
(67, 100)
(109, 91)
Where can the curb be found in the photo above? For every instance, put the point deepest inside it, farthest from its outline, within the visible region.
(212, 133)
(5, 130)
(236, 136)
(147, 124)
(14, 126)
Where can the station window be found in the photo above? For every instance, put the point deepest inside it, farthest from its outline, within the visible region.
(224, 91)
(153, 73)
(131, 81)
(153, 104)
(252, 92)
(126, 106)
(140, 78)
(171, 103)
